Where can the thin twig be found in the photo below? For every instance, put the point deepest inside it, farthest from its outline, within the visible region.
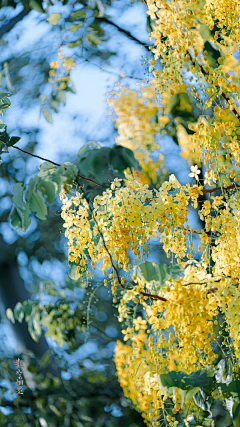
(127, 33)
(189, 407)
(230, 187)
(101, 331)
(8, 27)
(54, 163)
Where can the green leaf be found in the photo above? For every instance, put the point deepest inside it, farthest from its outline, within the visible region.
(53, 104)
(121, 158)
(37, 5)
(43, 98)
(46, 168)
(15, 217)
(49, 288)
(45, 360)
(47, 115)
(212, 383)
(74, 44)
(9, 314)
(236, 414)
(68, 170)
(96, 158)
(4, 137)
(97, 29)
(72, 272)
(5, 103)
(48, 190)
(13, 140)
(149, 25)
(78, 14)
(190, 393)
(232, 389)
(87, 147)
(171, 130)
(181, 106)
(221, 415)
(156, 274)
(32, 369)
(38, 205)
(69, 61)
(205, 32)
(55, 410)
(54, 18)
(27, 307)
(184, 381)
(31, 187)
(93, 40)
(18, 312)
(202, 401)
(74, 27)
(61, 96)
(213, 55)
(20, 210)
(34, 327)
(5, 94)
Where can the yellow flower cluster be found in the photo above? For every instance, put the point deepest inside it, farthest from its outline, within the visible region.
(136, 369)
(137, 127)
(176, 330)
(128, 217)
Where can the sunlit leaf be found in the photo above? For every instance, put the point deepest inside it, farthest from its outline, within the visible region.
(75, 27)
(54, 18)
(47, 115)
(74, 44)
(78, 14)
(9, 314)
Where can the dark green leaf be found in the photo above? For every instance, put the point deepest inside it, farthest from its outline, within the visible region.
(48, 190)
(18, 312)
(236, 414)
(182, 380)
(4, 137)
(213, 54)
(221, 416)
(13, 140)
(5, 94)
(37, 5)
(79, 14)
(149, 25)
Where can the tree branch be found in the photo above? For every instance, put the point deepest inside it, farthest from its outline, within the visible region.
(121, 30)
(54, 163)
(230, 187)
(9, 26)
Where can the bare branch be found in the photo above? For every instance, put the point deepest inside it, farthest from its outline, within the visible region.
(231, 187)
(9, 26)
(54, 163)
(127, 33)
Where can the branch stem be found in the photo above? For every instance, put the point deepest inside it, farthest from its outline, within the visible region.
(54, 163)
